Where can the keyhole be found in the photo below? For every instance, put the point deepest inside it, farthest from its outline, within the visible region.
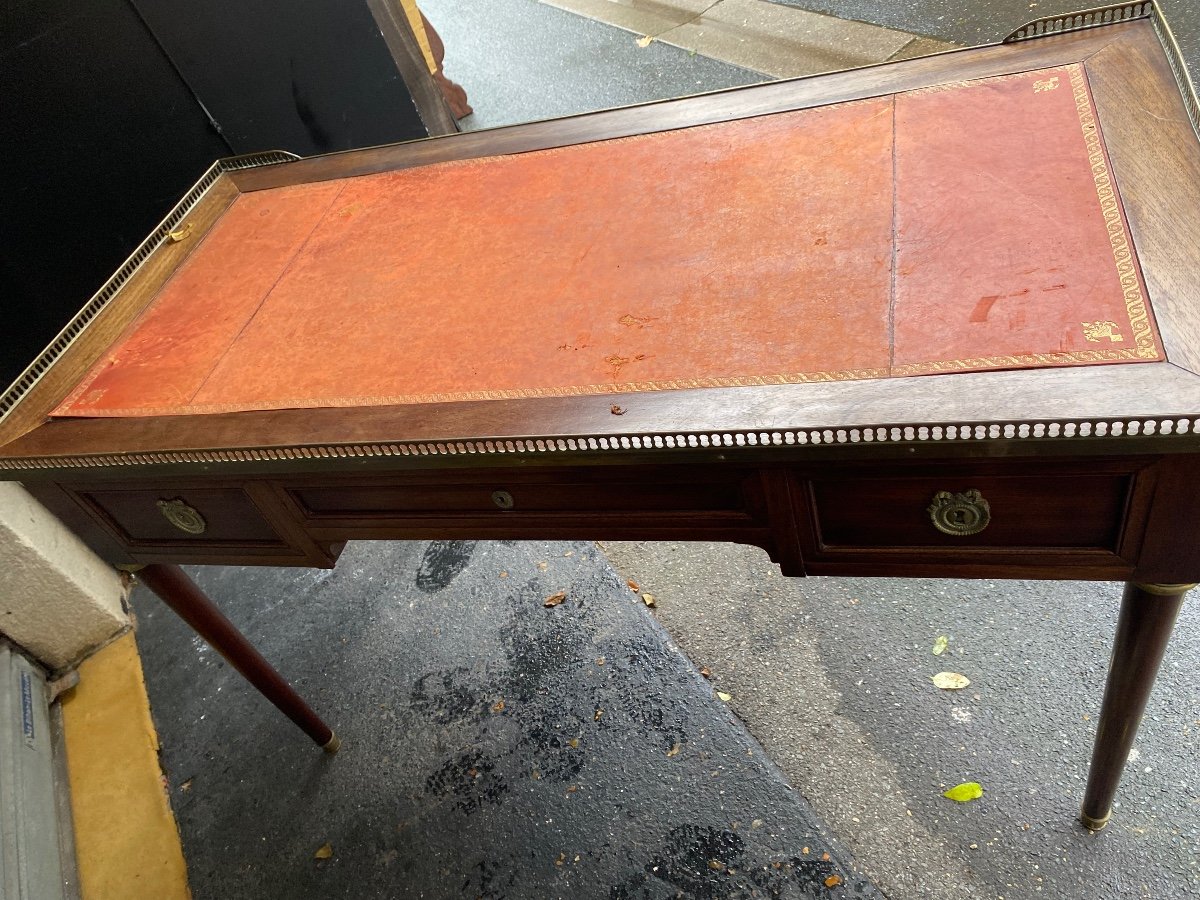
(960, 516)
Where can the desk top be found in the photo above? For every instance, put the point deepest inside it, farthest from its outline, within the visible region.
(988, 236)
(963, 227)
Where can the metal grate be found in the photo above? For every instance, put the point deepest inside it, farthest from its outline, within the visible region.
(27, 379)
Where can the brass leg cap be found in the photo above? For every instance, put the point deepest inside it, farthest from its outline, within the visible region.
(1094, 824)
(334, 745)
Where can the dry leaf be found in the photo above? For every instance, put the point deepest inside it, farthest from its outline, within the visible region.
(186, 786)
(833, 881)
(562, 858)
(716, 865)
(325, 851)
(939, 646)
(503, 574)
(706, 671)
(599, 660)
(965, 792)
(950, 681)
(573, 743)
(596, 717)
(555, 599)
(498, 706)
(649, 600)
(633, 585)
(543, 566)
(825, 856)
(724, 696)
(572, 789)
(674, 751)
(645, 41)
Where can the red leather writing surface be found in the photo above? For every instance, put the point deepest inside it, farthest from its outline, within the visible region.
(968, 227)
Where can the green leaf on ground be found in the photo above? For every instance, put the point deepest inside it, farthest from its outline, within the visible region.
(963, 793)
(939, 646)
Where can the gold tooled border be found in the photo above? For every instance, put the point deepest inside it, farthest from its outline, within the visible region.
(1146, 347)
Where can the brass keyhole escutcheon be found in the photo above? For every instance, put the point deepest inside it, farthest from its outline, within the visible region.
(182, 516)
(960, 515)
(502, 499)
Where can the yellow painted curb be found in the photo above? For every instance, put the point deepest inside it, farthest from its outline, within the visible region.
(126, 839)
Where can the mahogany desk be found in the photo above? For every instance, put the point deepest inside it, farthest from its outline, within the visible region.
(933, 318)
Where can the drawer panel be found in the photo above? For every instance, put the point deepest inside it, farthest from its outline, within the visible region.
(1049, 511)
(515, 495)
(194, 515)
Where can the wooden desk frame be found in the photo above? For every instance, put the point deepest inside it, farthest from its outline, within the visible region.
(1091, 473)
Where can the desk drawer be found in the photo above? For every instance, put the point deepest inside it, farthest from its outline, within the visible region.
(216, 522)
(508, 501)
(972, 511)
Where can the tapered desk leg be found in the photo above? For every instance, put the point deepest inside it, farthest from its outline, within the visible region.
(180, 593)
(1148, 614)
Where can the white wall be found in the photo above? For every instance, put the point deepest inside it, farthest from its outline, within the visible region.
(58, 600)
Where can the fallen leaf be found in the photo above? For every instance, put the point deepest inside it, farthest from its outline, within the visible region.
(555, 599)
(498, 706)
(805, 851)
(543, 566)
(573, 743)
(706, 671)
(572, 789)
(503, 574)
(965, 792)
(596, 717)
(186, 786)
(645, 41)
(649, 600)
(724, 696)
(562, 858)
(833, 881)
(939, 646)
(633, 585)
(674, 751)
(950, 681)
(324, 852)
(599, 660)
(716, 865)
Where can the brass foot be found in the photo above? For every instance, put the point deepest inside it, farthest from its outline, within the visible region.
(334, 745)
(1094, 824)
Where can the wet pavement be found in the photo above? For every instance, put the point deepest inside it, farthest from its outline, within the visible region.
(494, 747)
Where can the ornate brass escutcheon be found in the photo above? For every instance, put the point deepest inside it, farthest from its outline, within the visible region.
(182, 516)
(960, 514)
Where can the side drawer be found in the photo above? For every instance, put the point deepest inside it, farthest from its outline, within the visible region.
(990, 519)
(186, 522)
(1021, 511)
